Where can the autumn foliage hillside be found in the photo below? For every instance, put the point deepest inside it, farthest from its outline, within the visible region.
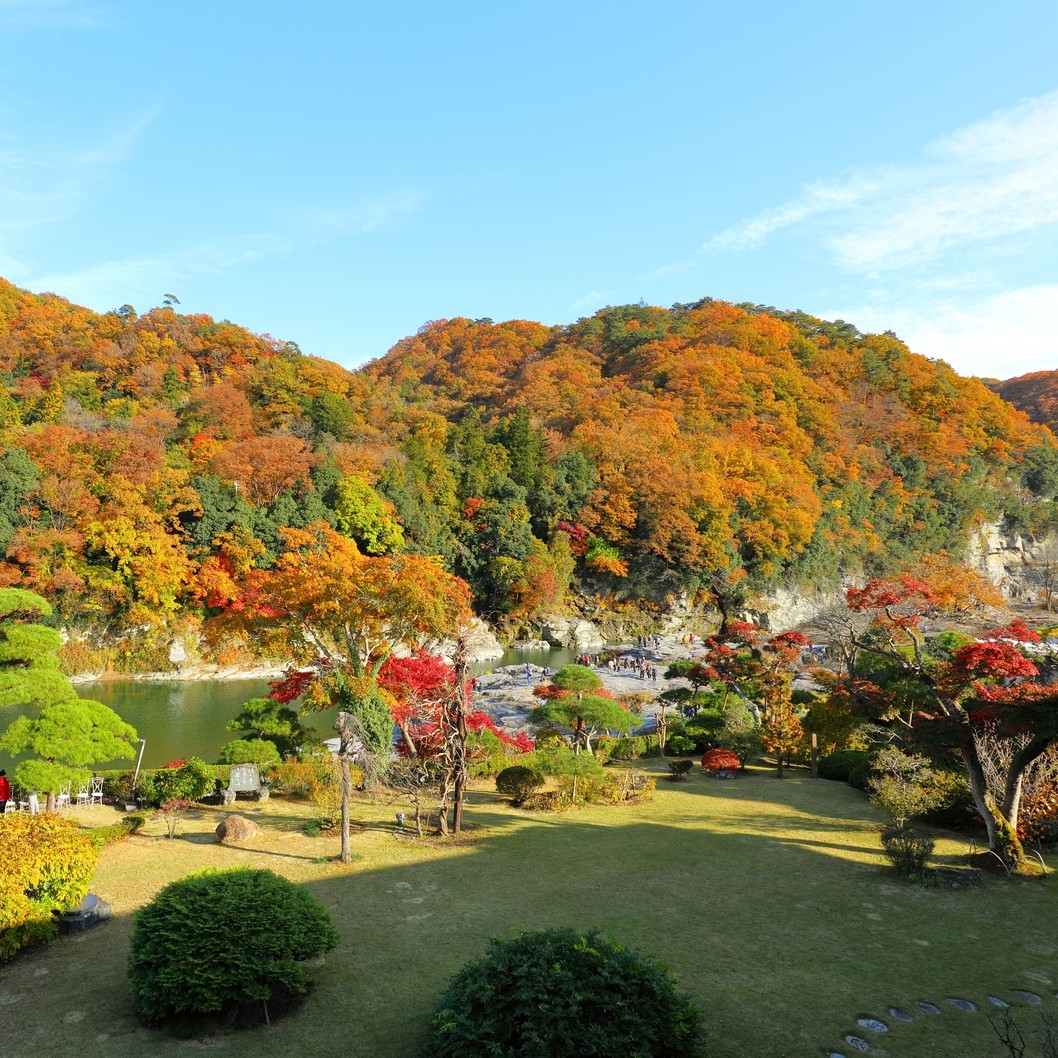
(1036, 394)
(148, 459)
(730, 442)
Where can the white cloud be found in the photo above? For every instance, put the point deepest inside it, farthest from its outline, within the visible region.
(994, 179)
(815, 199)
(1011, 333)
(47, 184)
(105, 284)
(1025, 131)
(353, 220)
(956, 251)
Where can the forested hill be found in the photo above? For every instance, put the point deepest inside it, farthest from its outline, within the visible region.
(1036, 394)
(638, 452)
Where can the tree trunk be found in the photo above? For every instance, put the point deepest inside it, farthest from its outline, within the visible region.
(347, 797)
(1019, 764)
(459, 790)
(346, 726)
(1002, 834)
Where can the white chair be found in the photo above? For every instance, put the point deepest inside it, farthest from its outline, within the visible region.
(62, 798)
(31, 805)
(83, 795)
(96, 796)
(10, 807)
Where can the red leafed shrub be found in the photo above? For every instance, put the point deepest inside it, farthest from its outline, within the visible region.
(719, 760)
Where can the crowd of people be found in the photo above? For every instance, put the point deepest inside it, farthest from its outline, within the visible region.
(644, 669)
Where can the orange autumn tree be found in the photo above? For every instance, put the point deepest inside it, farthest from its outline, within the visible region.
(340, 614)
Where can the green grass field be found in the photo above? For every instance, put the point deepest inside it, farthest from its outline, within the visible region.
(768, 899)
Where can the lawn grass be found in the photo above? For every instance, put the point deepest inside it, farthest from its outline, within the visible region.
(768, 899)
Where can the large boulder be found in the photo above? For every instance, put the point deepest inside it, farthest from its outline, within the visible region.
(235, 828)
(574, 633)
(482, 644)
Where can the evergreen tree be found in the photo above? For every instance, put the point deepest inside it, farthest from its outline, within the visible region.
(66, 734)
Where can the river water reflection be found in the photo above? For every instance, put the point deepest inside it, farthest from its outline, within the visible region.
(189, 718)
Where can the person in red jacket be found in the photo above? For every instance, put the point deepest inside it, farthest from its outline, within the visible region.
(5, 791)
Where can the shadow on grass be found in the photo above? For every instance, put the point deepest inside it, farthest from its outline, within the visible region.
(779, 946)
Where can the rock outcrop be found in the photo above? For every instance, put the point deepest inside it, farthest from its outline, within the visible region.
(572, 632)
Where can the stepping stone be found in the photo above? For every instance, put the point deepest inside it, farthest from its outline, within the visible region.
(928, 1008)
(963, 1004)
(857, 1044)
(873, 1024)
(997, 1002)
(1029, 997)
(900, 1015)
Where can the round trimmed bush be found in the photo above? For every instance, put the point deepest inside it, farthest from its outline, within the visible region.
(715, 760)
(226, 943)
(193, 780)
(677, 745)
(840, 764)
(518, 782)
(561, 993)
(259, 751)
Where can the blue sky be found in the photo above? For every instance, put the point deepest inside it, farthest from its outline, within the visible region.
(337, 174)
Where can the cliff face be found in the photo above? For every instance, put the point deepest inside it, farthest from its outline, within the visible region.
(1022, 568)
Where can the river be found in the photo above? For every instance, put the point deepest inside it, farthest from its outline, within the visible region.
(189, 718)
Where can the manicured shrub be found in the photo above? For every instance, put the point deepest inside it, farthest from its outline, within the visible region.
(115, 832)
(907, 850)
(547, 801)
(259, 751)
(549, 737)
(679, 746)
(193, 779)
(625, 788)
(744, 744)
(226, 943)
(714, 760)
(488, 754)
(838, 766)
(561, 993)
(518, 782)
(603, 747)
(296, 777)
(704, 724)
(46, 864)
(903, 785)
(679, 769)
(632, 747)
(860, 775)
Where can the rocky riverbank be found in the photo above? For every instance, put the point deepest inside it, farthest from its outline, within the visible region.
(506, 693)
